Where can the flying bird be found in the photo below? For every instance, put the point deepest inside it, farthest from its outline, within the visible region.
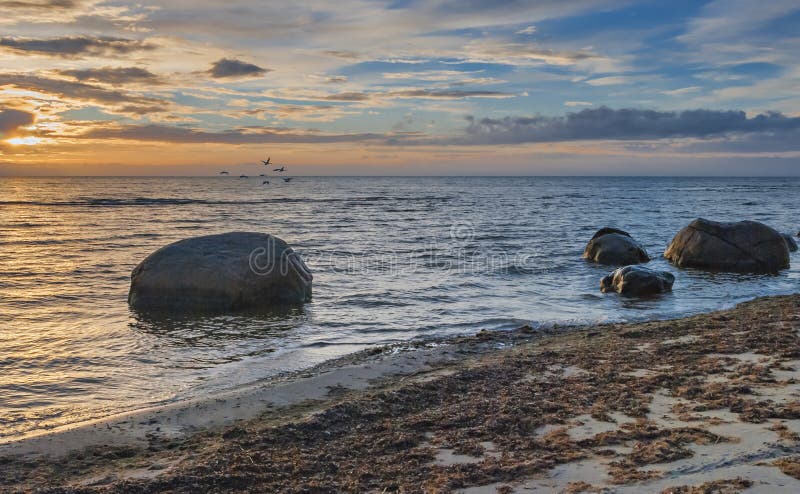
(224, 173)
(265, 182)
(242, 176)
(287, 179)
(281, 169)
(266, 162)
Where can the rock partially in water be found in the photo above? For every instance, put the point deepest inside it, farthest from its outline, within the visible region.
(616, 247)
(637, 281)
(743, 247)
(229, 271)
(790, 242)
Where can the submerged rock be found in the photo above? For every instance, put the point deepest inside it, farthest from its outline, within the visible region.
(613, 246)
(790, 243)
(229, 271)
(637, 281)
(744, 246)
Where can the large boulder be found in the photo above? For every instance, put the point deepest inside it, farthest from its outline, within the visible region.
(229, 271)
(744, 246)
(790, 243)
(637, 281)
(616, 247)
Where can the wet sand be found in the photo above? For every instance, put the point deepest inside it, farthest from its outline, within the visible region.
(709, 403)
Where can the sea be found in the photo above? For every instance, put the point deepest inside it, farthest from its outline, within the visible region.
(395, 259)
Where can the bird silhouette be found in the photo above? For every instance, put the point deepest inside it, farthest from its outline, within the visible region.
(287, 179)
(281, 169)
(265, 182)
(242, 176)
(224, 173)
(266, 162)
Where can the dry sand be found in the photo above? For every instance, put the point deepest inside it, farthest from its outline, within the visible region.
(709, 403)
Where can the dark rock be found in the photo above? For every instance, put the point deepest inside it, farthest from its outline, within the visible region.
(744, 246)
(221, 272)
(613, 246)
(637, 281)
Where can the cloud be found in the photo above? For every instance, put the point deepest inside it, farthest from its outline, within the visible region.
(75, 46)
(245, 135)
(230, 67)
(526, 54)
(346, 54)
(348, 96)
(11, 120)
(422, 93)
(86, 93)
(682, 91)
(305, 113)
(526, 30)
(114, 75)
(726, 19)
(572, 104)
(607, 81)
(40, 5)
(450, 77)
(44, 11)
(625, 124)
(447, 94)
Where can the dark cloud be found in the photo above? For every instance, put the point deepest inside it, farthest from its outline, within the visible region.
(351, 96)
(348, 55)
(86, 93)
(114, 75)
(11, 120)
(75, 46)
(248, 135)
(336, 79)
(230, 67)
(42, 5)
(291, 109)
(625, 124)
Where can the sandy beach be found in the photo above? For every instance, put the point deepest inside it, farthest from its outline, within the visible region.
(708, 403)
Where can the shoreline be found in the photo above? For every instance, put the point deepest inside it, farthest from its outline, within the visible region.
(12, 444)
(618, 406)
(356, 370)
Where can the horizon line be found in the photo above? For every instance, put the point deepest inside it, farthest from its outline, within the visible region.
(401, 176)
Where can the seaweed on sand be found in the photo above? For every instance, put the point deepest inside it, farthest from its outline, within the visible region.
(386, 439)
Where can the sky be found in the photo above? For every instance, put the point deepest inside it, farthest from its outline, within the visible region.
(400, 87)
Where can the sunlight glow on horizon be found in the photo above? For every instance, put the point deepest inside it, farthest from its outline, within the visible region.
(24, 141)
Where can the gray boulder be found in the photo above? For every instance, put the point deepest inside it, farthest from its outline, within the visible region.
(790, 243)
(613, 246)
(744, 246)
(637, 281)
(229, 271)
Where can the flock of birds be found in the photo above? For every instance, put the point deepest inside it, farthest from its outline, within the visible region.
(266, 162)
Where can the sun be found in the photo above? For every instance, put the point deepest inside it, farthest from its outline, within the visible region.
(24, 141)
